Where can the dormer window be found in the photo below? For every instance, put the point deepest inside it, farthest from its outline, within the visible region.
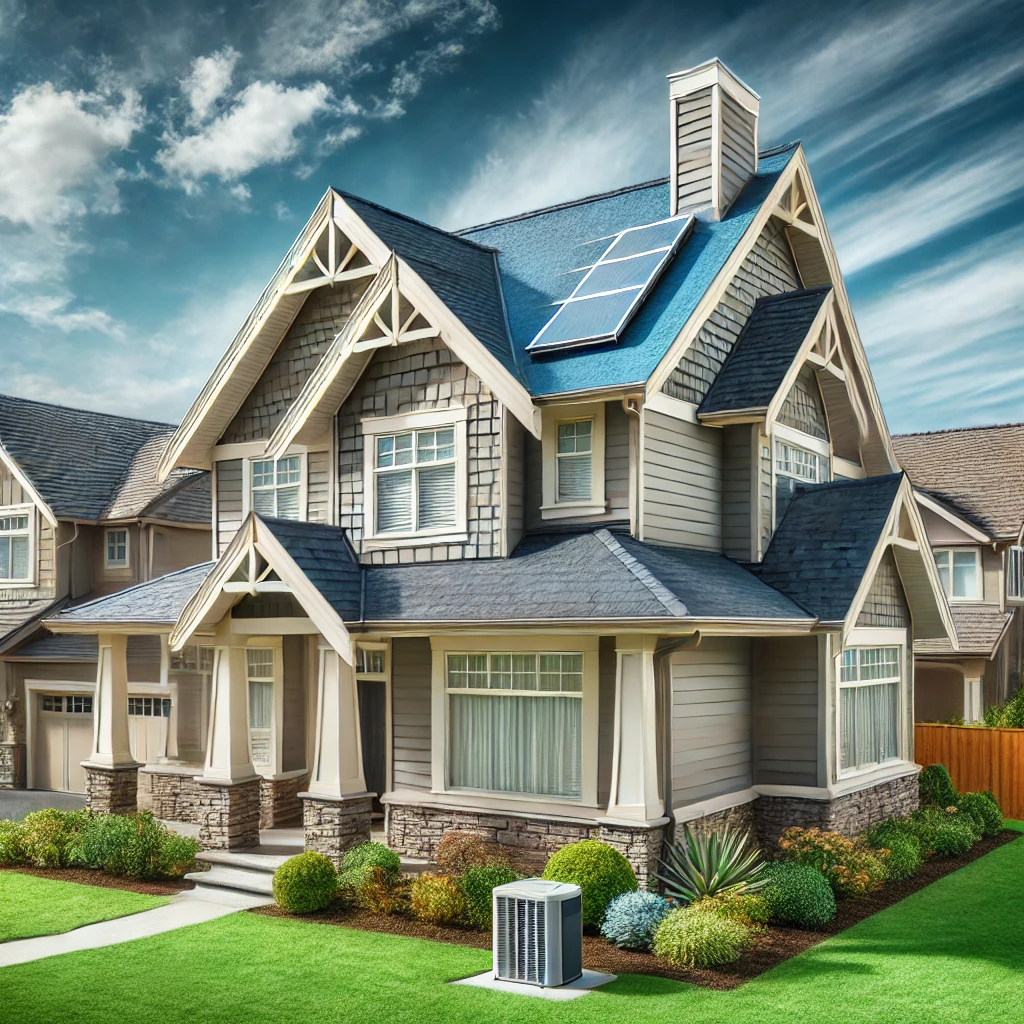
(573, 453)
(277, 487)
(16, 545)
(574, 460)
(959, 573)
(117, 549)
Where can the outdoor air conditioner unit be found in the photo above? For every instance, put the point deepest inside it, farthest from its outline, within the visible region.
(538, 932)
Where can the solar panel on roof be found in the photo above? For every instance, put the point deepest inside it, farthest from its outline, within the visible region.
(603, 302)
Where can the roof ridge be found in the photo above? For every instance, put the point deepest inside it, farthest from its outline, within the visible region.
(88, 412)
(643, 574)
(960, 430)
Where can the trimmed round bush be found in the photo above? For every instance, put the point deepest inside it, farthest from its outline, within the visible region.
(954, 838)
(749, 908)
(367, 870)
(936, 787)
(305, 883)
(688, 938)
(798, 895)
(459, 851)
(50, 837)
(632, 919)
(12, 845)
(904, 858)
(437, 899)
(598, 869)
(476, 884)
(372, 855)
(984, 810)
(135, 846)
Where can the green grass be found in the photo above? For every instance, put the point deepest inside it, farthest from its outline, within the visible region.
(950, 953)
(32, 906)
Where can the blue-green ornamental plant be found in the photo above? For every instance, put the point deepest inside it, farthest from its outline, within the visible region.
(703, 865)
(632, 919)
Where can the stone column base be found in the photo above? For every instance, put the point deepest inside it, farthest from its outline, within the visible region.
(334, 826)
(280, 806)
(112, 790)
(639, 844)
(12, 765)
(170, 792)
(229, 813)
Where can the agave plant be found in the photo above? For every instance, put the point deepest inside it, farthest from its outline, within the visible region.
(703, 865)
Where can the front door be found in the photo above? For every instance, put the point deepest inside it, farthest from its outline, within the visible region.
(372, 730)
(63, 741)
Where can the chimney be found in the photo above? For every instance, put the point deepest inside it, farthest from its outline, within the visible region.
(714, 137)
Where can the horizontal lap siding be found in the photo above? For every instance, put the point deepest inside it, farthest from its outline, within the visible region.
(786, 711)
(410, 712)
(737, 500)
(229, 501)
(711, 720)
(682, 483)
(693, 148)
(738, 156)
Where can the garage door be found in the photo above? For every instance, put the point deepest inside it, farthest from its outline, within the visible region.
(63, 741)
(147, 727)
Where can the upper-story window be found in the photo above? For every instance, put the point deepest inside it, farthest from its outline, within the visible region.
(416, 468)
(1015, 573)
(277, 487)
(574, 457)
(960, 573)
(795, 464)
(572, 444)
(16, 545)
(116, 549)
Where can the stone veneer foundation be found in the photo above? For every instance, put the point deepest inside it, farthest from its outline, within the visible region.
(172, 795)
(12, 765)
(280, 806)
(334, 826)
(112, 790)
(229, 814)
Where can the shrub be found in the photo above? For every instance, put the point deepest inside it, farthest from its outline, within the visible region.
(954, 838)
(12, 845)
(476, 884)
(305, 883)
(688, 938)
(936, 787)
(368, 872)
(923, 823)
(459, 851)
(437, 899)
(984, 810)
(749, 908)
(135, 846)
(902, 851)
(381, 893)
(372, 855)
(632, 919)
(798, 895)
(50, 837)
(1009, 715)
(850, 865)
(703, 865)
(600, 871)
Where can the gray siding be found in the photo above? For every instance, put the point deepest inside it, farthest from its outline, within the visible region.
(738, 151)
(228, 481)
(803, 408)
(294, 726)
(682, 482)
(515, 475)
(410, 712)
(886, 604)
(737, 498)
(143, 659)
(765, 488)
(767, 270)
(786, 711)
(318, 486)
(607, 660)
(11, 493)
(711, 720)
(693, 149)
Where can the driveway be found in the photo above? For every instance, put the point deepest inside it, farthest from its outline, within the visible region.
(16, 803)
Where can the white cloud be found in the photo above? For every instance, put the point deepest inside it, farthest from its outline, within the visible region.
(258, 129)
(335, 138)
(208, 81)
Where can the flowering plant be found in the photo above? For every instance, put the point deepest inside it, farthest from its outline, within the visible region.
(850, 866)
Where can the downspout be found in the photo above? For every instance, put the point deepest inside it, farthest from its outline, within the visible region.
(71, 568)
(663, 681)
(633, 405)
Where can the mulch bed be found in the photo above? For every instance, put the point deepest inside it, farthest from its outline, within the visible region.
(769, 950)
(92, 876)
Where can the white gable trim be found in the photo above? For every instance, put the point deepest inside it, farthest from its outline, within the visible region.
(26, 485)
(961, 524)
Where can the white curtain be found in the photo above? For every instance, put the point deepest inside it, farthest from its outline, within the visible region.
(869, 724)
(516, 744)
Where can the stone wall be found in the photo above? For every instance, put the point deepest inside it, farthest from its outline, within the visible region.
(229, 815)
(12, 765)
(112, 790)
(334, 826)
(280, 806)
(171, 796)
(742, 817)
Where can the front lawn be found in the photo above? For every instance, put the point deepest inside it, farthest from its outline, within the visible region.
(949, 953)
(31, 906)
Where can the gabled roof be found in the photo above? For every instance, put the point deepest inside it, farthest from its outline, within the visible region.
(821, 550)
(979, 629)
(89, 465)
(73, 647)
(15, 614)
(542, 255)
(755, 369)
(978, 471)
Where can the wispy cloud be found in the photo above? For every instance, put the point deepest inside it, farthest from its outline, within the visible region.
(208, 81)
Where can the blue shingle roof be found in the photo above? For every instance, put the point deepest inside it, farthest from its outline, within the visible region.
(764, 352)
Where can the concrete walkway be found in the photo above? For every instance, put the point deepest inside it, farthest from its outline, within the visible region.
(16, 803)
(185, 909)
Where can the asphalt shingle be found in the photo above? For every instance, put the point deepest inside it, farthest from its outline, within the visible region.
(978, 629)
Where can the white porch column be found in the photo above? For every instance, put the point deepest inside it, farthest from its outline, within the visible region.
(973, 710)
(228, 758)
(338, 753)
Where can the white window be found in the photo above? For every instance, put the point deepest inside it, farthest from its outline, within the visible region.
(794, 465)
(261, 704)
(369, 661)
(117, 549)
(16, 545)
(572, 443)
(574, 456)
(277, 487)
(959, 573)
(869, 707)
(149, 707)
(515, 722)
(1015, 573)
(415, 475)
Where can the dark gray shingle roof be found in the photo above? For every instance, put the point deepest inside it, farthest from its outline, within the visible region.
(765, 350)
(978, 629)
(821, 549)
(15, 614)
(59, 647)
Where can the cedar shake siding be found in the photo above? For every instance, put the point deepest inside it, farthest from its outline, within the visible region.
(803, 409)
(886, 604)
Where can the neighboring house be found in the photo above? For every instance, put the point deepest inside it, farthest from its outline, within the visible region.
(581, 522)
(970, 488)
(82, 514)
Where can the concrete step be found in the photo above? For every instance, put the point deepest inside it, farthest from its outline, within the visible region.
(251, 860)
(260, 883)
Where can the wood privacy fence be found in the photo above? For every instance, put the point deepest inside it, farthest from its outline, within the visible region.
(977, 758)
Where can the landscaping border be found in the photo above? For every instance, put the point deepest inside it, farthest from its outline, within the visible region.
(99, 879)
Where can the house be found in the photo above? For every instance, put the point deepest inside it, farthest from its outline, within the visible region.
(970, 489)
(584, 522)
(82, 514)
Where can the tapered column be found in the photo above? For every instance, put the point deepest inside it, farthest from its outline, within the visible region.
(336, 809)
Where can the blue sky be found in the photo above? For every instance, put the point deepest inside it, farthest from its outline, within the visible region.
(157, 159)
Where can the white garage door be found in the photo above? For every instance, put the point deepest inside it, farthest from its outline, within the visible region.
(63, 741)
(147, 727)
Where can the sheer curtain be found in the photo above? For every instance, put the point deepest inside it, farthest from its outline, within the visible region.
(869, 717)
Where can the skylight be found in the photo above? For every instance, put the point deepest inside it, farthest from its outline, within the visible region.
(604, 301)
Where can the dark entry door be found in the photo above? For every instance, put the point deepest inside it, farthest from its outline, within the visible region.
(372, 725)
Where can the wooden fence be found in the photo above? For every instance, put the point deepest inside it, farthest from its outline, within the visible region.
(977, 759)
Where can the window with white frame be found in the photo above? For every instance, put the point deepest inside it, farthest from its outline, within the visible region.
(15, 545)
(117, 549)
(869, 707)
(260, 663)
(415, 482)
(959, 573)
(574, 455)
(1015, 573)
(515, 722)
(149, 707)
(794, 465)
(277, 487)
(369, 661)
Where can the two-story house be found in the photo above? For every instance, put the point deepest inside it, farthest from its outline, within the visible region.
(970, 488)
(82, 513)
(584, 522)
